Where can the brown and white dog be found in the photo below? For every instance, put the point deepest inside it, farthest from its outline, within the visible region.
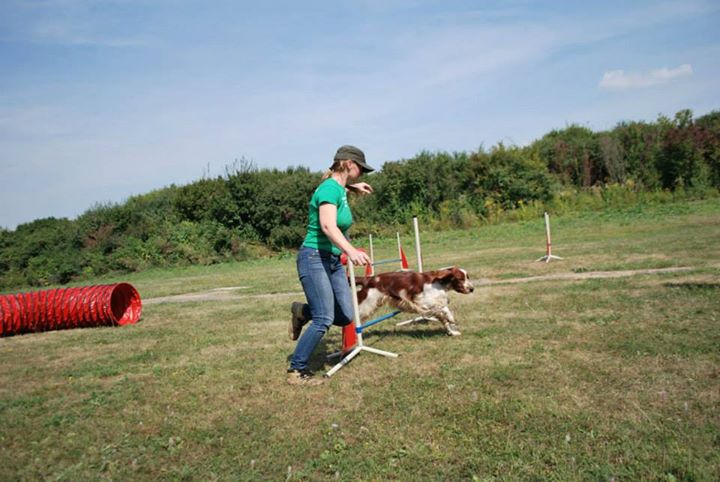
(423, 293)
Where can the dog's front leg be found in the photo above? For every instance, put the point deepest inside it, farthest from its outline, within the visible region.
(448, 321)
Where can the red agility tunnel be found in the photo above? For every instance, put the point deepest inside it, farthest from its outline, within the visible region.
(64, 308)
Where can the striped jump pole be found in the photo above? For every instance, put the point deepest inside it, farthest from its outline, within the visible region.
(359, 327)
(548, 256)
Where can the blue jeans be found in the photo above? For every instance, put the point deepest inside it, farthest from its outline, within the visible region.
(327, 291)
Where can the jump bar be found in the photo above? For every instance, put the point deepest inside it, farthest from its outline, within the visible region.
(359, 329)
(386, 261)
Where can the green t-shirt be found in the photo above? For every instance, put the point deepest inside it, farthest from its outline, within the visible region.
(329, 191)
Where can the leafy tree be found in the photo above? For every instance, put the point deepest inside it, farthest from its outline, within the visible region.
(613, 158)
(709, 125)
(681, 158)
(509, 176)
(639, 143)
(573, 155)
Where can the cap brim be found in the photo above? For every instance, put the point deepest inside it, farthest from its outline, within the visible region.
(365, 168)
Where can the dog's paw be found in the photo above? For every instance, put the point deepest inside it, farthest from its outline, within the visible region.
(452, 330)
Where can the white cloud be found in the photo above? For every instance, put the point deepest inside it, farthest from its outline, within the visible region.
(621, 80)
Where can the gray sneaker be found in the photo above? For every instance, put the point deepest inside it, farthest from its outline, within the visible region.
(297, 320)
(303, 377)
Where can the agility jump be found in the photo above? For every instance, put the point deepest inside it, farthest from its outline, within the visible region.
(358, 329)
(352, 339)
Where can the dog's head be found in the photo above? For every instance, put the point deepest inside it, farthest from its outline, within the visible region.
(455, 278)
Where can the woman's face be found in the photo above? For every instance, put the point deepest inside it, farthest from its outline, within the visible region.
(355, 170)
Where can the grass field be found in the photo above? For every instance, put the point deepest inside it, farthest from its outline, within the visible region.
(553, 379)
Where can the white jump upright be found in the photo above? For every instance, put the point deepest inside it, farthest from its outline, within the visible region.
(418, 251)
(359, 328)
(548, 256)
(400, 251)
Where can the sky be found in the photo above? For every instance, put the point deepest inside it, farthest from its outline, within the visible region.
(105, 99)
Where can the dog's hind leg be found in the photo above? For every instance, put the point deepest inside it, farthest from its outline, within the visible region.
(418, 319)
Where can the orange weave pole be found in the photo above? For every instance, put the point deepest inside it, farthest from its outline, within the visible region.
(349, 338)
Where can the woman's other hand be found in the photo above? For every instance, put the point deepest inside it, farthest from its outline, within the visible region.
(361, 188)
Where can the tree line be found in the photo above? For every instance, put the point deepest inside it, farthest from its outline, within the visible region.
(250, 212)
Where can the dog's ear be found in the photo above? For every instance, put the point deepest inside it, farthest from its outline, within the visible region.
(362, 292)
(446, 274)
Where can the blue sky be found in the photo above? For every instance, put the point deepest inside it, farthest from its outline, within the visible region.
(104, 99)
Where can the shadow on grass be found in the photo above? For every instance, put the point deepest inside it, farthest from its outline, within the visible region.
(693, 286)
(411, 333)
(319, 360)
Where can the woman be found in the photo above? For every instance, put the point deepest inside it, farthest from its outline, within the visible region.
(318, 263)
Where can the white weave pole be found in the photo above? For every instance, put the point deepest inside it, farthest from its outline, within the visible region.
(372, 257)
(548, 256)
(400, 253)
(418, 251)
(358, 329)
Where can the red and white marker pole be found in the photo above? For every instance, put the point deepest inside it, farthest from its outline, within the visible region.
(548, 256)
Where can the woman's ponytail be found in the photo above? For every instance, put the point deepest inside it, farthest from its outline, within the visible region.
(338, 166)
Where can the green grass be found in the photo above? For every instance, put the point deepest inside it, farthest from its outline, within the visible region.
(551, 380)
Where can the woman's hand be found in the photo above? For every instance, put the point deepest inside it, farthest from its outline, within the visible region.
(361, 188)
(358, 257)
